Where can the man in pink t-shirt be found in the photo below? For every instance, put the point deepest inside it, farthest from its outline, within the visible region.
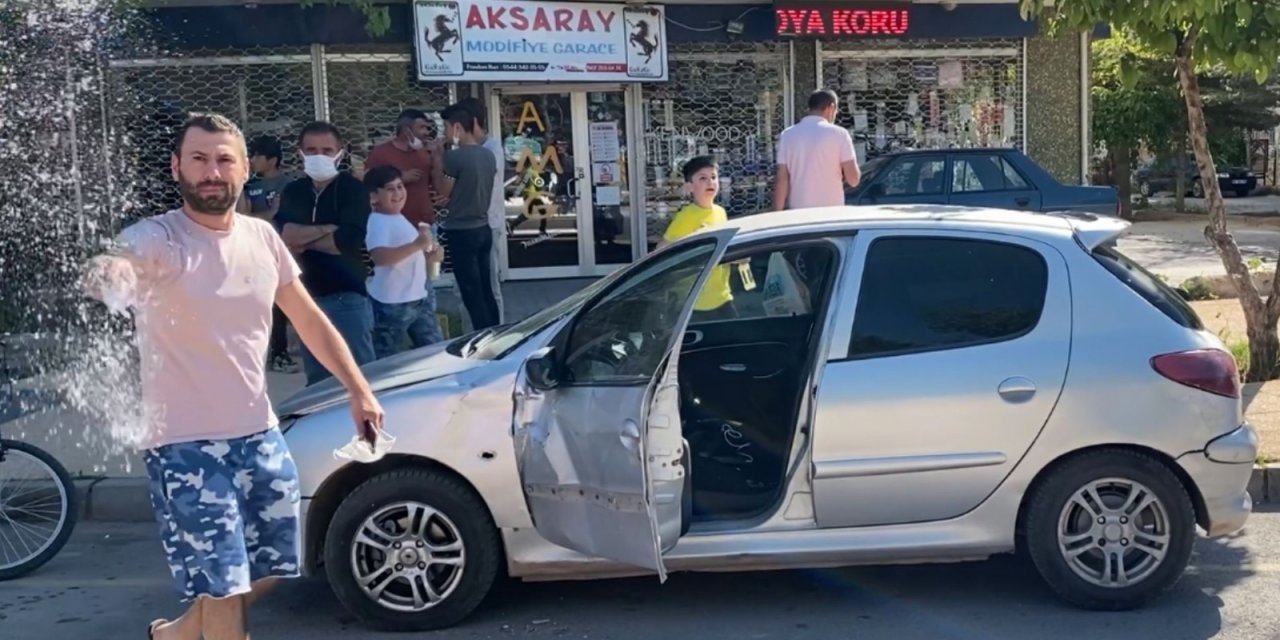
(202, 280)
(815, 158)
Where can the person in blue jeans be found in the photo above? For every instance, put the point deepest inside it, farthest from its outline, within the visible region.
(404, 302)
(322, 219)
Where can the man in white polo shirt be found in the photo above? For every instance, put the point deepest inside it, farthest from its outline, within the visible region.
(815, 158)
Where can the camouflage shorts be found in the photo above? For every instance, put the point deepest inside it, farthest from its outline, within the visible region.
(228, 512)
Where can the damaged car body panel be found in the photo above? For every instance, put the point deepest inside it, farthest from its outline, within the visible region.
(597, 430)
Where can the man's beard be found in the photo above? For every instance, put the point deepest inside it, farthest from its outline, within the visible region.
(217, 204)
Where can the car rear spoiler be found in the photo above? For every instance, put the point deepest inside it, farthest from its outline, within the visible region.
(1093, 230)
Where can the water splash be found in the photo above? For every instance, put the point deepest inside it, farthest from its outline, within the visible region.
(66, 185)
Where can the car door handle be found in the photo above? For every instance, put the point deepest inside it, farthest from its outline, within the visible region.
(733, 367)
(1022, 202)
(1017, 390)
(630, 435)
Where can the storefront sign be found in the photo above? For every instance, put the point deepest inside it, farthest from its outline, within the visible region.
(506, 40)
(842, 21)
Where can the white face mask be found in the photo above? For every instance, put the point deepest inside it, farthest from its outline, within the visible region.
(320, 166)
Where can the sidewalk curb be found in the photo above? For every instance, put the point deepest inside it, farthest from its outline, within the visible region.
(115, 499)
(129, 499)
(1264, 485)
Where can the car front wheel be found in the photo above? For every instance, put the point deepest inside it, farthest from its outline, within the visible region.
(412, 550)
(1109, 530)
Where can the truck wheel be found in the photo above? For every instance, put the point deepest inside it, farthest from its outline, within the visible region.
(412, 550)
(1110, 530)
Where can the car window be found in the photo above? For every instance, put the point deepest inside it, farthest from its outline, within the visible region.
(915, 176)
(1148, 286)
(770, 283)
(623, 337)
(975, 173)
(930, 293)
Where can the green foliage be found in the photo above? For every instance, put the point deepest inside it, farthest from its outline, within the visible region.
(1135, 100)
(377, 19)
(1242, 36)
(1240, 351)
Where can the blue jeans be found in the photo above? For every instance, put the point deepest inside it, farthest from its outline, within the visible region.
(352, 315)
(392, 322)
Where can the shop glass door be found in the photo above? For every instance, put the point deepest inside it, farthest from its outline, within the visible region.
(568, 202)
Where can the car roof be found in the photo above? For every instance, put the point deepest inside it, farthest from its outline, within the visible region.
(1092, 230)
(957, 150)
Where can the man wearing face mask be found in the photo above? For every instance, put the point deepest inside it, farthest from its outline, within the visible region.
(407, 152)
(322, 219)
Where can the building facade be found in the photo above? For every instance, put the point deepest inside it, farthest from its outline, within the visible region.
(594, 148)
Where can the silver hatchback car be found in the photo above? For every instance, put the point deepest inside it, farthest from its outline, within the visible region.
(815, 388)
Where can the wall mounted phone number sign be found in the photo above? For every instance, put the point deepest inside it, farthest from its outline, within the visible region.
(512, 41)
(842, 21)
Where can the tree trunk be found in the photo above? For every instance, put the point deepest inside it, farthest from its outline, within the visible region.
(1259, 316)
(1120, 175)
(1180, 177)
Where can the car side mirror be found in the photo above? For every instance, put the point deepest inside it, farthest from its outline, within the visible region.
(540, 369)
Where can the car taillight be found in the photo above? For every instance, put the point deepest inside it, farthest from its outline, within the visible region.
(1211, 370)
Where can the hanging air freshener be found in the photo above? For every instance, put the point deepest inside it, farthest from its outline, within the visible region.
(744, 274)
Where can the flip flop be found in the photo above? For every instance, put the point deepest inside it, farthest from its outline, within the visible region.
(151, 628)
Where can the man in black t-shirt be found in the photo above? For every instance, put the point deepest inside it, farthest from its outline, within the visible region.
(322, 219)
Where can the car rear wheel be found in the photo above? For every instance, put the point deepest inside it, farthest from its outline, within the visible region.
(1144, 188)
(412, 550)
(1197, 188)
(1110, 530)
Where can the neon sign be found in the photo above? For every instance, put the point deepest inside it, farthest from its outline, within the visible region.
(829, 21)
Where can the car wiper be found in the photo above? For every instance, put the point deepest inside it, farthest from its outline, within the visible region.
(474, 342)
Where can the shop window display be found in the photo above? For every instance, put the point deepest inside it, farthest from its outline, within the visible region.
(945, 95)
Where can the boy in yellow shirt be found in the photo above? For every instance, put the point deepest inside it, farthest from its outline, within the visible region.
(702, 184)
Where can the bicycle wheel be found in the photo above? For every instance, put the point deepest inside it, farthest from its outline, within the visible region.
(38, 508)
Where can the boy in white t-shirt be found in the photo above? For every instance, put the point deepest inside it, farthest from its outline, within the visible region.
(404, 302)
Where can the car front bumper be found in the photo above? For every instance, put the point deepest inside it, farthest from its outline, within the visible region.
(1221, 472)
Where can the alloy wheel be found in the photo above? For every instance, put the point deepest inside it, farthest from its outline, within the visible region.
(408, 556)
(1114, 532)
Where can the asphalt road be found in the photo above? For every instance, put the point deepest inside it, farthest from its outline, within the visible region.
(110, 580)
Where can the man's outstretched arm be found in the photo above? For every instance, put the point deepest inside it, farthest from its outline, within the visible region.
(323, 340)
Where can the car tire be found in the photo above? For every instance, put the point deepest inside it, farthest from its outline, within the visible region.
(1144, 189)
(1197, 188)
(465, 518)
(1054, 508)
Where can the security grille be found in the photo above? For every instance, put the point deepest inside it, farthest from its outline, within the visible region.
(369, 86)
(726, 100)
(269, 94)
(927, 94)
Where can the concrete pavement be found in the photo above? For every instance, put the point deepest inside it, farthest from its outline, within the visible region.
(1178, 250)
(111, 580)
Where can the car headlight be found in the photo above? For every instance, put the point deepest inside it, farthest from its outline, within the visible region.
(1224, 175)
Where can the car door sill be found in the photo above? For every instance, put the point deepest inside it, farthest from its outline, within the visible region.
(863, 467)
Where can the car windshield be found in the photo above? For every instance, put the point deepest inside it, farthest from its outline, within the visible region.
(499, 341)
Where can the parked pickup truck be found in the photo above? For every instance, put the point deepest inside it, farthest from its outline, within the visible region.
(1000, 178)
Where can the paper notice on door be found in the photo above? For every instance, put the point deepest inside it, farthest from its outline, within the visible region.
(604, 142)
(603, 173)
(610, 196)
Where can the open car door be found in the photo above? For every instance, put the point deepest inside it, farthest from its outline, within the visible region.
(597, 428)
